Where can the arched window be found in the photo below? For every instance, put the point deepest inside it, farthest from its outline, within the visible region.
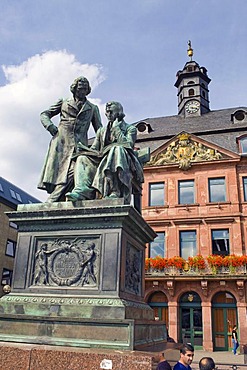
(191, 83)
(159, 303)
(191, 92)
(190, 297)
(223, 297)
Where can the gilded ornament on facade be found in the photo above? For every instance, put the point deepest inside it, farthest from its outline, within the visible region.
(184, 152)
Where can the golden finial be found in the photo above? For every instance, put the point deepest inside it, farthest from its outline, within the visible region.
(190, 50)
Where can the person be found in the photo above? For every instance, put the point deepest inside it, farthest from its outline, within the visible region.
(235, 343)
(76, 114)
(186, 357)
(163, 363)
(206, 363)
(111, 163)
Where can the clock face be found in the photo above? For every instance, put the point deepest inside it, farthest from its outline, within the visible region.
(192, 106)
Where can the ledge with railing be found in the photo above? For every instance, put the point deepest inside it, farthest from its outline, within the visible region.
(197, 265)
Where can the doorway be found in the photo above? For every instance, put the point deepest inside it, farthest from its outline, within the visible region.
(191, 319)
(224, 316)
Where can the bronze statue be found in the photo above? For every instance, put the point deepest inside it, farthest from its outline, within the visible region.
(111, 163)
(76, 114)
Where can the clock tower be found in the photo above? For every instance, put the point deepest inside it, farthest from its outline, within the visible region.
(192, 84)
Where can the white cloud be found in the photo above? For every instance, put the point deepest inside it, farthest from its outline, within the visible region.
(32, 87)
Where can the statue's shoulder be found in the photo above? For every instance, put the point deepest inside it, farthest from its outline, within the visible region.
(93, 106)
(131, 127)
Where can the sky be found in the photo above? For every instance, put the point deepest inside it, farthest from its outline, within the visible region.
(130, 51)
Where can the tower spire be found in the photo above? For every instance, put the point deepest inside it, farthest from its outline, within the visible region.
(190, 50)
(192, 84)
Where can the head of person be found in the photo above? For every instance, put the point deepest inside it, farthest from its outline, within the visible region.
(235, 327)
(186, 354)
(80, 86)
(206, 363)
(161, 356)
(114, 110)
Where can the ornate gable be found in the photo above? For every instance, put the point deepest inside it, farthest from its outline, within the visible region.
(186, 149)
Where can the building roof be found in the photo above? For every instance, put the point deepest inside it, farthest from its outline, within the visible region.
(215, 126)
(13, 195)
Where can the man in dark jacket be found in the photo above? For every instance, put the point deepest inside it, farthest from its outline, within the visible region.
(163, 363)
(76, 114)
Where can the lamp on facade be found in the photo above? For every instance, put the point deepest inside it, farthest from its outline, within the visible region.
(7, 289)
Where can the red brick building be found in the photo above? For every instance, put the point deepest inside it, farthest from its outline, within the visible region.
(195, 198)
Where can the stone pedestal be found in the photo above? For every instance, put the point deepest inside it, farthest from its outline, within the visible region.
(79, 277)
(40, 357)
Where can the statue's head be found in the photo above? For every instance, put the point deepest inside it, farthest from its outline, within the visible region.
(73, 86)
(116, 108)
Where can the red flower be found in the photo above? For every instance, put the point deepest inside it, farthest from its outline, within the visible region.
(177, 262)
(197, 262)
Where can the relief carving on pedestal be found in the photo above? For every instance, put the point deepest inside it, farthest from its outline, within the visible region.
(184, 151)
(66, 262)
(133, 273)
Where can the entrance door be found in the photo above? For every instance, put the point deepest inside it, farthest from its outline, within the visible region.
(224, 314)
(191, 320)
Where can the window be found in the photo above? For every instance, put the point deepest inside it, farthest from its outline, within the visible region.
(217, 190)
(157, 247)
(10, 248)
(7, 277)
(156, 194)
(239, 115)
(243, 145)
(1, 187)
(191, 92)
(245, 188)
(187, 243)
(220, 242)
(186, 192)
(15, 195)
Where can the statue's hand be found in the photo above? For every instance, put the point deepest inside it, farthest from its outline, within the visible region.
(53, 130)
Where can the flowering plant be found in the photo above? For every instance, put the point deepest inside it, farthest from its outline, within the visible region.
(234, 261)
(197, 262)
(214, 260)
(177, 262)
(158, 263)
